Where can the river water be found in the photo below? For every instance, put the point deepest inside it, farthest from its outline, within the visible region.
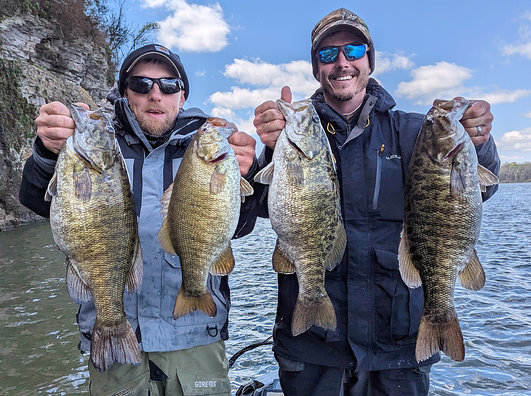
(38, 348)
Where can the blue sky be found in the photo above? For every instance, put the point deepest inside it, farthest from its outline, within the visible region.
(239, 53)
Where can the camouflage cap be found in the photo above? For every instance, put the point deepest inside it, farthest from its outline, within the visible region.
(338, 20)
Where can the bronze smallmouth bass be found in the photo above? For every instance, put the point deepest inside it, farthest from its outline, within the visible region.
(305, 212)
(93, 221)
(441, 225)
(200, 211)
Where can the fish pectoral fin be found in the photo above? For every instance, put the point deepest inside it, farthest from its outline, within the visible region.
(265, 176)
(164, 237)
(338, 249)
(281, 263)
(224, 264)
(82, 184)
(165, 201)
(410, 275)
(486, 178)
(472, 276)
(134, 278)
(51, 191)
(245, 189)
(76, 286)
(457, 182)
(164, 232)
(295, 172)
(218, 180)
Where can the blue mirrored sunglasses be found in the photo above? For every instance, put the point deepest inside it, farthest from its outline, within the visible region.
(351, 52)
(143, 85)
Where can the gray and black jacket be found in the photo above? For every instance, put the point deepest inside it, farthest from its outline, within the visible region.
(151, 171)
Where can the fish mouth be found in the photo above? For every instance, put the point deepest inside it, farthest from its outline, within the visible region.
(454, 151)
(296, 148)
(219, 159)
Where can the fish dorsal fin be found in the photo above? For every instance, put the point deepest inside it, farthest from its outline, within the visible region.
(486, 178)
(338, 249)
(164, 233)
(51, 191)
(265, 176)
(281, 263)
(472, 276)
(77, 288)
(245, 189)
(134, 278)
(410, 275)
(218, 179)
(224, 264)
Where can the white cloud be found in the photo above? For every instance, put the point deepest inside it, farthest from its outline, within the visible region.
(191, 27)
(296, 74)
(434, 81)
(523, 49)
(504, 96)
(515, 145)
(385, 63)
(523, 45)
(528, 115)
(265, 81)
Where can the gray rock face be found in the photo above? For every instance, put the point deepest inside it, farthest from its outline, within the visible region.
(40, 64)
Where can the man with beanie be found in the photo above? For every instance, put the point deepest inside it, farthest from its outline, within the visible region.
(372, 350)
(181, 356)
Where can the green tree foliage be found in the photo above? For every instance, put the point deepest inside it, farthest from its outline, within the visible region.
(121, 37)
(515, 172)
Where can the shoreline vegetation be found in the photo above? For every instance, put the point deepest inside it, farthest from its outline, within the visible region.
(513, 172)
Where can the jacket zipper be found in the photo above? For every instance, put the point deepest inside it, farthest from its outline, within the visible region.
(378, 177)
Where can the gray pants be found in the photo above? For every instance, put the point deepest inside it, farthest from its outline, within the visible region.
(202, 370)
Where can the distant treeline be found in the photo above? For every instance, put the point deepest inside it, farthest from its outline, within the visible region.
(515, 173)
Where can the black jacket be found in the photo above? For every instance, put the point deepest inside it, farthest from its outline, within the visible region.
(378, 315)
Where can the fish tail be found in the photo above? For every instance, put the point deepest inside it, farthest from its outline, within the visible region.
(306, 315)
(185, 304)
(111, 344)
(435, 337)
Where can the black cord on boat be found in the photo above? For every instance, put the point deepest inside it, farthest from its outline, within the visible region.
(232, 360)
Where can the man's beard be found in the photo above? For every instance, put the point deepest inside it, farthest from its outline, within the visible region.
(154, 127)
(363, 79)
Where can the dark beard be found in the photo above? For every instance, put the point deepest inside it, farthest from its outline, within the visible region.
(341, 98)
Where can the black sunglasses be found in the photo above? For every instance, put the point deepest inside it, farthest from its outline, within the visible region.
(143, 85)
(351, 52)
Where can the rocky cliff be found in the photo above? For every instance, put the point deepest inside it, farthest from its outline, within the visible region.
(42, 59)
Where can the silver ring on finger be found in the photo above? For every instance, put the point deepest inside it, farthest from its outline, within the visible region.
(479, 133)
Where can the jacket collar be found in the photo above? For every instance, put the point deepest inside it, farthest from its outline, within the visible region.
(376, 99)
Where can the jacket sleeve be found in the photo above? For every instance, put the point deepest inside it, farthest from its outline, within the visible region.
(248, 211)
(261, 190)
(488, 157)
(38, 171)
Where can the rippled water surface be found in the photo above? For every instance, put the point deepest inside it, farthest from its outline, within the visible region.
(38, 348)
